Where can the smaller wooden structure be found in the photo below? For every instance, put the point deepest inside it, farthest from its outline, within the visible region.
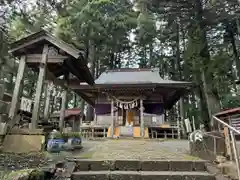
(55, 61)
(231, 117)
(72, 118)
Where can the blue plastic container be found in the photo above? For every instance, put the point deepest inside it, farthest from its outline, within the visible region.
(74, 142)
(55, 145)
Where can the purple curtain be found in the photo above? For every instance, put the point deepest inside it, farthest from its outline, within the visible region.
(153, 108)
(150, 108)
(101, 109)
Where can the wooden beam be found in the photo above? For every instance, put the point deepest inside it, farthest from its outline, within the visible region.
(51, 77)
(37, 58)
(40, 83)
(23, 45)
(17, 90)
(86, 98)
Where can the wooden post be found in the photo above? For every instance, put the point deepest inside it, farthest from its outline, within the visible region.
(112, 115)
(40, 83)
(47, 102)
(17, 89)
(141, 119)
(194, 125)
(76, 124)
(178, 128)
(63, 105)
(116, 118)
(80, 121)
(104, 132)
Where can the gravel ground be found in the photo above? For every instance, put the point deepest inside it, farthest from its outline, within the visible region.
(138, 149)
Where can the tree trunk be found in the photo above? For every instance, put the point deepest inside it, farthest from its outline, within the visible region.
(92, 60)
(211, 98)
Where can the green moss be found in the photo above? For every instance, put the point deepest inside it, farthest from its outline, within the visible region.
(4, 175)
(192, 158)
(86, 155)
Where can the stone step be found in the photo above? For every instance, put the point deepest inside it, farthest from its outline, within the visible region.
(141, 175)
(137, 165)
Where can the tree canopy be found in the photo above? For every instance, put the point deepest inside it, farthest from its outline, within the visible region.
(187, 40)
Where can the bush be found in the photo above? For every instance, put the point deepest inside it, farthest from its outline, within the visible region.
(73, 135)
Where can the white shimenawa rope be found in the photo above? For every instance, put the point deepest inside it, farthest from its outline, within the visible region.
(126, 102)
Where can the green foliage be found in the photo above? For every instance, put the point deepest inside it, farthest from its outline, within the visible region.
(184, 39)
(57, 135)
(229, 101)
(73, 135)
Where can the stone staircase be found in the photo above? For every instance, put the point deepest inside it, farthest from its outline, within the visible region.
(140, 170)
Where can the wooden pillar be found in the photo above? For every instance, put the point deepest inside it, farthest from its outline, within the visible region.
(47, 101)
(76, 124)
(80, 121)
(141, 119)
(178, 128)
(228, 141)
(63, 105)
(116, 118)
(104, 132)
(39, 88)
(112, 115)
(17, 89)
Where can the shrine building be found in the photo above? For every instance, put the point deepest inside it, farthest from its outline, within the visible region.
(132, 102)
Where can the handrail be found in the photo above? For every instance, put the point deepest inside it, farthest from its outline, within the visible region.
(226, 124)
(232, 129)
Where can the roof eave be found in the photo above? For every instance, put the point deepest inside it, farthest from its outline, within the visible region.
(40, 36)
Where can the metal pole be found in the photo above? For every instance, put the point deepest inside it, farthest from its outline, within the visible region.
(232, 130)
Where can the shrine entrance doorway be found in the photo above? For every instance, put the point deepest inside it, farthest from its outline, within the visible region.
(130, 117)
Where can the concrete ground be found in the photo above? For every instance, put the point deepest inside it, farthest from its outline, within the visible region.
(136, 149)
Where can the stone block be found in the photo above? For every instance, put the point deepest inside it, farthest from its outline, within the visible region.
(101, 165)
(199, 165)
(91, 175)
(69, 168)
(155, 165)
(164, 175)
(22, 143)
(127, 165)
(83, 165)
(124, 175)
(94, 165)
(181, 166)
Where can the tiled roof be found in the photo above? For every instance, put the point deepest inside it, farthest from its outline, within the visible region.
(228, 112)
(68, 112)
(134, 76)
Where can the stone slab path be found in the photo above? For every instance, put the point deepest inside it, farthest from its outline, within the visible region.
(136, 149)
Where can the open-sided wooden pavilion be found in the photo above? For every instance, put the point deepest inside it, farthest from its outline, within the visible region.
(51, 58)
(128, 96)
